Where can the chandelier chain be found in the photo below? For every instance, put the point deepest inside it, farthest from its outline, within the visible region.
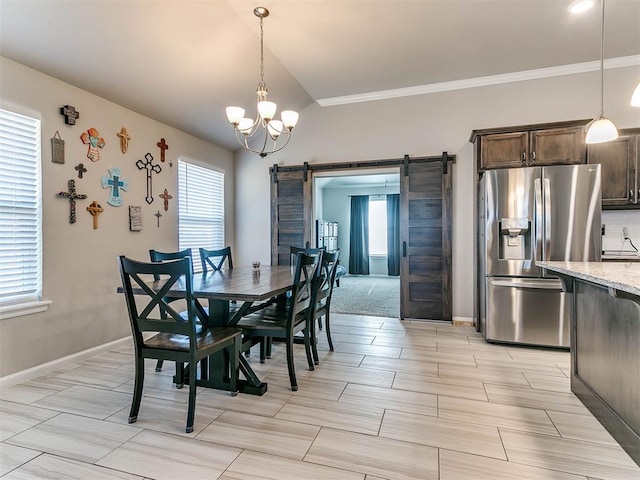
(261, 53)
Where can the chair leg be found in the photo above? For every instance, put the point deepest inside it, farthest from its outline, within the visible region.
(328, 328)
(234, 364)
(263, 349)
(290, 366)
(159, 365)
(192, 396)
(307, 345)
(180, 373)
(314, 345)
(269, 344)
(137, 390)
(320, 323)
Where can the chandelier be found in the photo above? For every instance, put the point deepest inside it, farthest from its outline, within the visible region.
(275, 133)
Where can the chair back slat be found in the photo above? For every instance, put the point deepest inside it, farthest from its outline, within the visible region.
(327, 276)
(305, 278)
(158, 256)
(214, 259)
(293, 252)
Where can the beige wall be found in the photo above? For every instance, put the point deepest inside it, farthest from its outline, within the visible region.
(80, 272)
(426, 125)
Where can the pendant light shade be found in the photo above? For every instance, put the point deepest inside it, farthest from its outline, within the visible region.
(635, 98)
(601, 129)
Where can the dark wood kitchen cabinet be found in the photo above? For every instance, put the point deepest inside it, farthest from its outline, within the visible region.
(560, 143)
(620, 160)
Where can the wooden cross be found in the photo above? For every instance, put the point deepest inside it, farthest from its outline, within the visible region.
(72, 195)
(81, 170)
(151, 168)
(166, 197)
(115, 182)
(94, 140)
(163, 146)
(158, 215)
(95, 209)
(124, 139)
(70, 114)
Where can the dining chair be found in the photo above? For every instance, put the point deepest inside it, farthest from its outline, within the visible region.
(158, 256)
(282, 320)
(293, 254)
(322, 299)
(214, 259)
(176, 338)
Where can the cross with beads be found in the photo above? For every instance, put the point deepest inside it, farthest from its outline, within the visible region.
(151, 168)
(70, 114)
(72, 195)
(95, 209)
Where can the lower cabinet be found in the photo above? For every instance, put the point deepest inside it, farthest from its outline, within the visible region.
(620, 169)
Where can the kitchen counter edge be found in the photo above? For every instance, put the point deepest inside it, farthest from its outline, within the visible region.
(623, 276)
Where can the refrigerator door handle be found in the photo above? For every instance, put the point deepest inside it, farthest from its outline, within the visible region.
(546, 191)
(538, 220)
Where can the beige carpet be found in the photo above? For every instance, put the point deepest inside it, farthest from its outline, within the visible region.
(373, 295)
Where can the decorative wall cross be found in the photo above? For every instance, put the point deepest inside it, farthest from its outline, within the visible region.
(116, 183)
(124, 139)
(70, 114)
(151, 168)
(92, 138)
(163, 146)
(72, 195)
(95, 209)
(158, 215)
(166, 197)
(80, 169)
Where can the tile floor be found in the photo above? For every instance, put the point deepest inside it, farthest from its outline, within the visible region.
(395, 401)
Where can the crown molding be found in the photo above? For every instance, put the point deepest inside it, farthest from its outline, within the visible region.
(572, 69)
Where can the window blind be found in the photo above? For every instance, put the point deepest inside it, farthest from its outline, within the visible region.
(20, 209)
(200, 209)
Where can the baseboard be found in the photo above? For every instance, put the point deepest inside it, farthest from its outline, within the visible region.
(463, 321)
(33, 372)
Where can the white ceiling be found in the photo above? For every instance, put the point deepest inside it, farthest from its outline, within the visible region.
(183, 61)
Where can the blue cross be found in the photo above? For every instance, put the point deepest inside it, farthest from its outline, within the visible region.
(115, 183)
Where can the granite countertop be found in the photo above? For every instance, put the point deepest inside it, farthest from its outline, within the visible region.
(624, 276)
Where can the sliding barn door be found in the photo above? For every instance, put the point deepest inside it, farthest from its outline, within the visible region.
(425, 236)
(290, 213)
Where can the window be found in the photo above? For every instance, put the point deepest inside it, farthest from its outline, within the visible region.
(200, 208)
(20, 216)
(377, 226)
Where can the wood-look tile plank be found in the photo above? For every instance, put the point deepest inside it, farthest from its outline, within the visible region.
(364, 376)
(86, 401)
(526, 397)
(442, 433)
(378, 350)
(497, 415)
(261, 434)
(168, 457)
(353, 417)
(16, 418)
(97, 376)
(390, 459)
(411, 341)
(25, 393)
(546, 382)
(267, 405)
(400, 365)
(440, 386)
(260, 466)
(533, 367)
(12, 456)
(356, 320)
(571, 456)
(378, 332)
(461, 466)
(72, 436)
(438, 357)
(315, 388)
(487, 375)
(50, 467)
(581, 427)
(344, 337)
(341, 358)
(389, 398)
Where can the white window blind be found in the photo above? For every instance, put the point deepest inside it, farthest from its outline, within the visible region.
(200, 208)
(20, 209)
(377, 226)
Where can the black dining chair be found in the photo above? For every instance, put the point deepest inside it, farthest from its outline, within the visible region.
(214, 259)
(176, 338)
(322, 300)
(282, 320)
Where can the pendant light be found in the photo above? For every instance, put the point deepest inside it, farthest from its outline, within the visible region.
(601, 129)
(273, 131)
(635, 98)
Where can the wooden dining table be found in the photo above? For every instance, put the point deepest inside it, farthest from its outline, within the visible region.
(245, 286)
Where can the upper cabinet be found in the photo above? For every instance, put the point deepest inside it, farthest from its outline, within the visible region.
(620, 169)
(560, 143)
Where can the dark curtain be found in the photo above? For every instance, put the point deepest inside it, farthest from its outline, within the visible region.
(359, 236)
(393, 234)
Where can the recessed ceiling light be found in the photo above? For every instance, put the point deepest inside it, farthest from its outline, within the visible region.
(580, 6)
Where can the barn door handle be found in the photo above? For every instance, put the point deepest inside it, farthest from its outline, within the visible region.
(404, 249)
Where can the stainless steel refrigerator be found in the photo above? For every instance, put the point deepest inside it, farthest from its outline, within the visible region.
(528, 215)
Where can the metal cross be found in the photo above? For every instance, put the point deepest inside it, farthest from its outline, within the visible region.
(151, 168)
(95, 209)
(158, 215)
(72, 195)
(80, 169)
(70, 114)
(124, 139)
(166, 197)
(115, 183)
(163, 146)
